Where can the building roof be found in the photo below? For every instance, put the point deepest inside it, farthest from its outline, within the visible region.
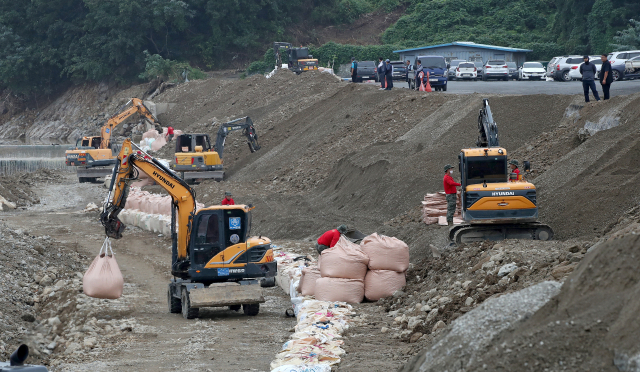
(467, 44)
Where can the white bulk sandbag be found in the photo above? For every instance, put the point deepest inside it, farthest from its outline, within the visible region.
(307, 285)
(103, 279)
(345, 260)
(382, 283)
(336, 289)
(303, 368)
(386, 253)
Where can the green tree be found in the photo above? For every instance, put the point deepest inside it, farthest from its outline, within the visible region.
(629, 38)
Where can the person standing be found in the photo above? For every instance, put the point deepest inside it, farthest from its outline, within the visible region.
(354, 70)
(169, 134)
(451, 192)
(389, 75)
(381, 72)
(418, 75)
(589, 71)
(409, 67)
(228, 200)
(606, 76)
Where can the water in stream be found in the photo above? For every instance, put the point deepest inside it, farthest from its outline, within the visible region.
(29, 158)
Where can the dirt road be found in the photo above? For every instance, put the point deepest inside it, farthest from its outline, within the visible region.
(221, 340)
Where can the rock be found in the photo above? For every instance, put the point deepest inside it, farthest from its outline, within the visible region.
(426, 308)
(466, 284)
(54, 321)
(51, 346)
(432, 314)
(384, 330)
(498, 257)
(574, 249)
(415, 337)
(405, 333)
(469, 301)
(439, 325)
(435, 252)
(28, 317)
(393, 313)
(414, 322)
(444, 300)
(398, 293)
(507, 269)
(561, 271)
(45, 281)
(418, 307)
(73, 346)
(488, 266)
(90, 342)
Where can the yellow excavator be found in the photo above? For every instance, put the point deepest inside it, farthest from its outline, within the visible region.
(295, 59)
(95, 155)
(196, 159)
(214, 260)
(496, 204)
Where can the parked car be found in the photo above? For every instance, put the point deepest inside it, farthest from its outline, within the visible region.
(632, 68)
(513, 70)
(551, 66)
(366, 71)
(617, 60)
(496, 69)
(575, 70)
(436, 66)
(399, 70)
(531, 71)
(480, 66)
(452, 67)
(563, 66)
(466, 71)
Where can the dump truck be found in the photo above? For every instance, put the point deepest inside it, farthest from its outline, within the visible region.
(295, 59)
(215, 262)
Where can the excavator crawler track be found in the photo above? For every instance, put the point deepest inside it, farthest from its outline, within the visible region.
(474, 233)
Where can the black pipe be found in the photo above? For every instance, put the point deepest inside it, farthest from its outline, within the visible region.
(19, 356)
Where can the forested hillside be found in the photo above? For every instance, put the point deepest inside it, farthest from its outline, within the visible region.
(47, 43)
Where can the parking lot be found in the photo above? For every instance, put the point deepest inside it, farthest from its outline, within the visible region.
(528, 87)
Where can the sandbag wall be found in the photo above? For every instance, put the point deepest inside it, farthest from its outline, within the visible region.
(434, 209)
(148, 211)
(316, 344)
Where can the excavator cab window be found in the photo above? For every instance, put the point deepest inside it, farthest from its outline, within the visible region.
(95, 142)
(488, 169)
(206, 242)
(204, 142)
(183, 143)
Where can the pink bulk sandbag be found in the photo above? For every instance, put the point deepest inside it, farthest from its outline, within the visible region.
(336, 289)
(158, 144)
(155, 204)
(103, 279)
(164, 206)
(307, 286)
(386, 253)
(134, 202)
(345, 260)
(382, 283)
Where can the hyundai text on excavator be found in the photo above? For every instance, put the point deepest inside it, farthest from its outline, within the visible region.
(196, 159)
(496, 205)
(94, 156)
(214, 260)
(295, 59)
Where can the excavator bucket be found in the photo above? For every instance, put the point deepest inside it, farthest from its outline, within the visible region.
(226, 294)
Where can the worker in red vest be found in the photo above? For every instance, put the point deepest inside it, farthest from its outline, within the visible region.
(228, 200)
(451, 191)
(169, 134)
(330, 238)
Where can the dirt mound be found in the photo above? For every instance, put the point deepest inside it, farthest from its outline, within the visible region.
(590, 325)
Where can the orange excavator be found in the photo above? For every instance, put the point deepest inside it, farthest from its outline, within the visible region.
(215, 261)
(94, 156)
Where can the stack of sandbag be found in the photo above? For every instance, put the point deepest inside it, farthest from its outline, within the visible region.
(342, 269)
(388, 262)
(434, 208)
(307, 286)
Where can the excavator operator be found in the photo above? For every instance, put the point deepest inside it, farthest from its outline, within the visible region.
(330, 238)
(228, 199)
(513, 165)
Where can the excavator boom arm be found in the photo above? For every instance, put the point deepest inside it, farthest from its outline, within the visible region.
(137, 106)
(487, 127)
(130, 162)
(246, 125)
